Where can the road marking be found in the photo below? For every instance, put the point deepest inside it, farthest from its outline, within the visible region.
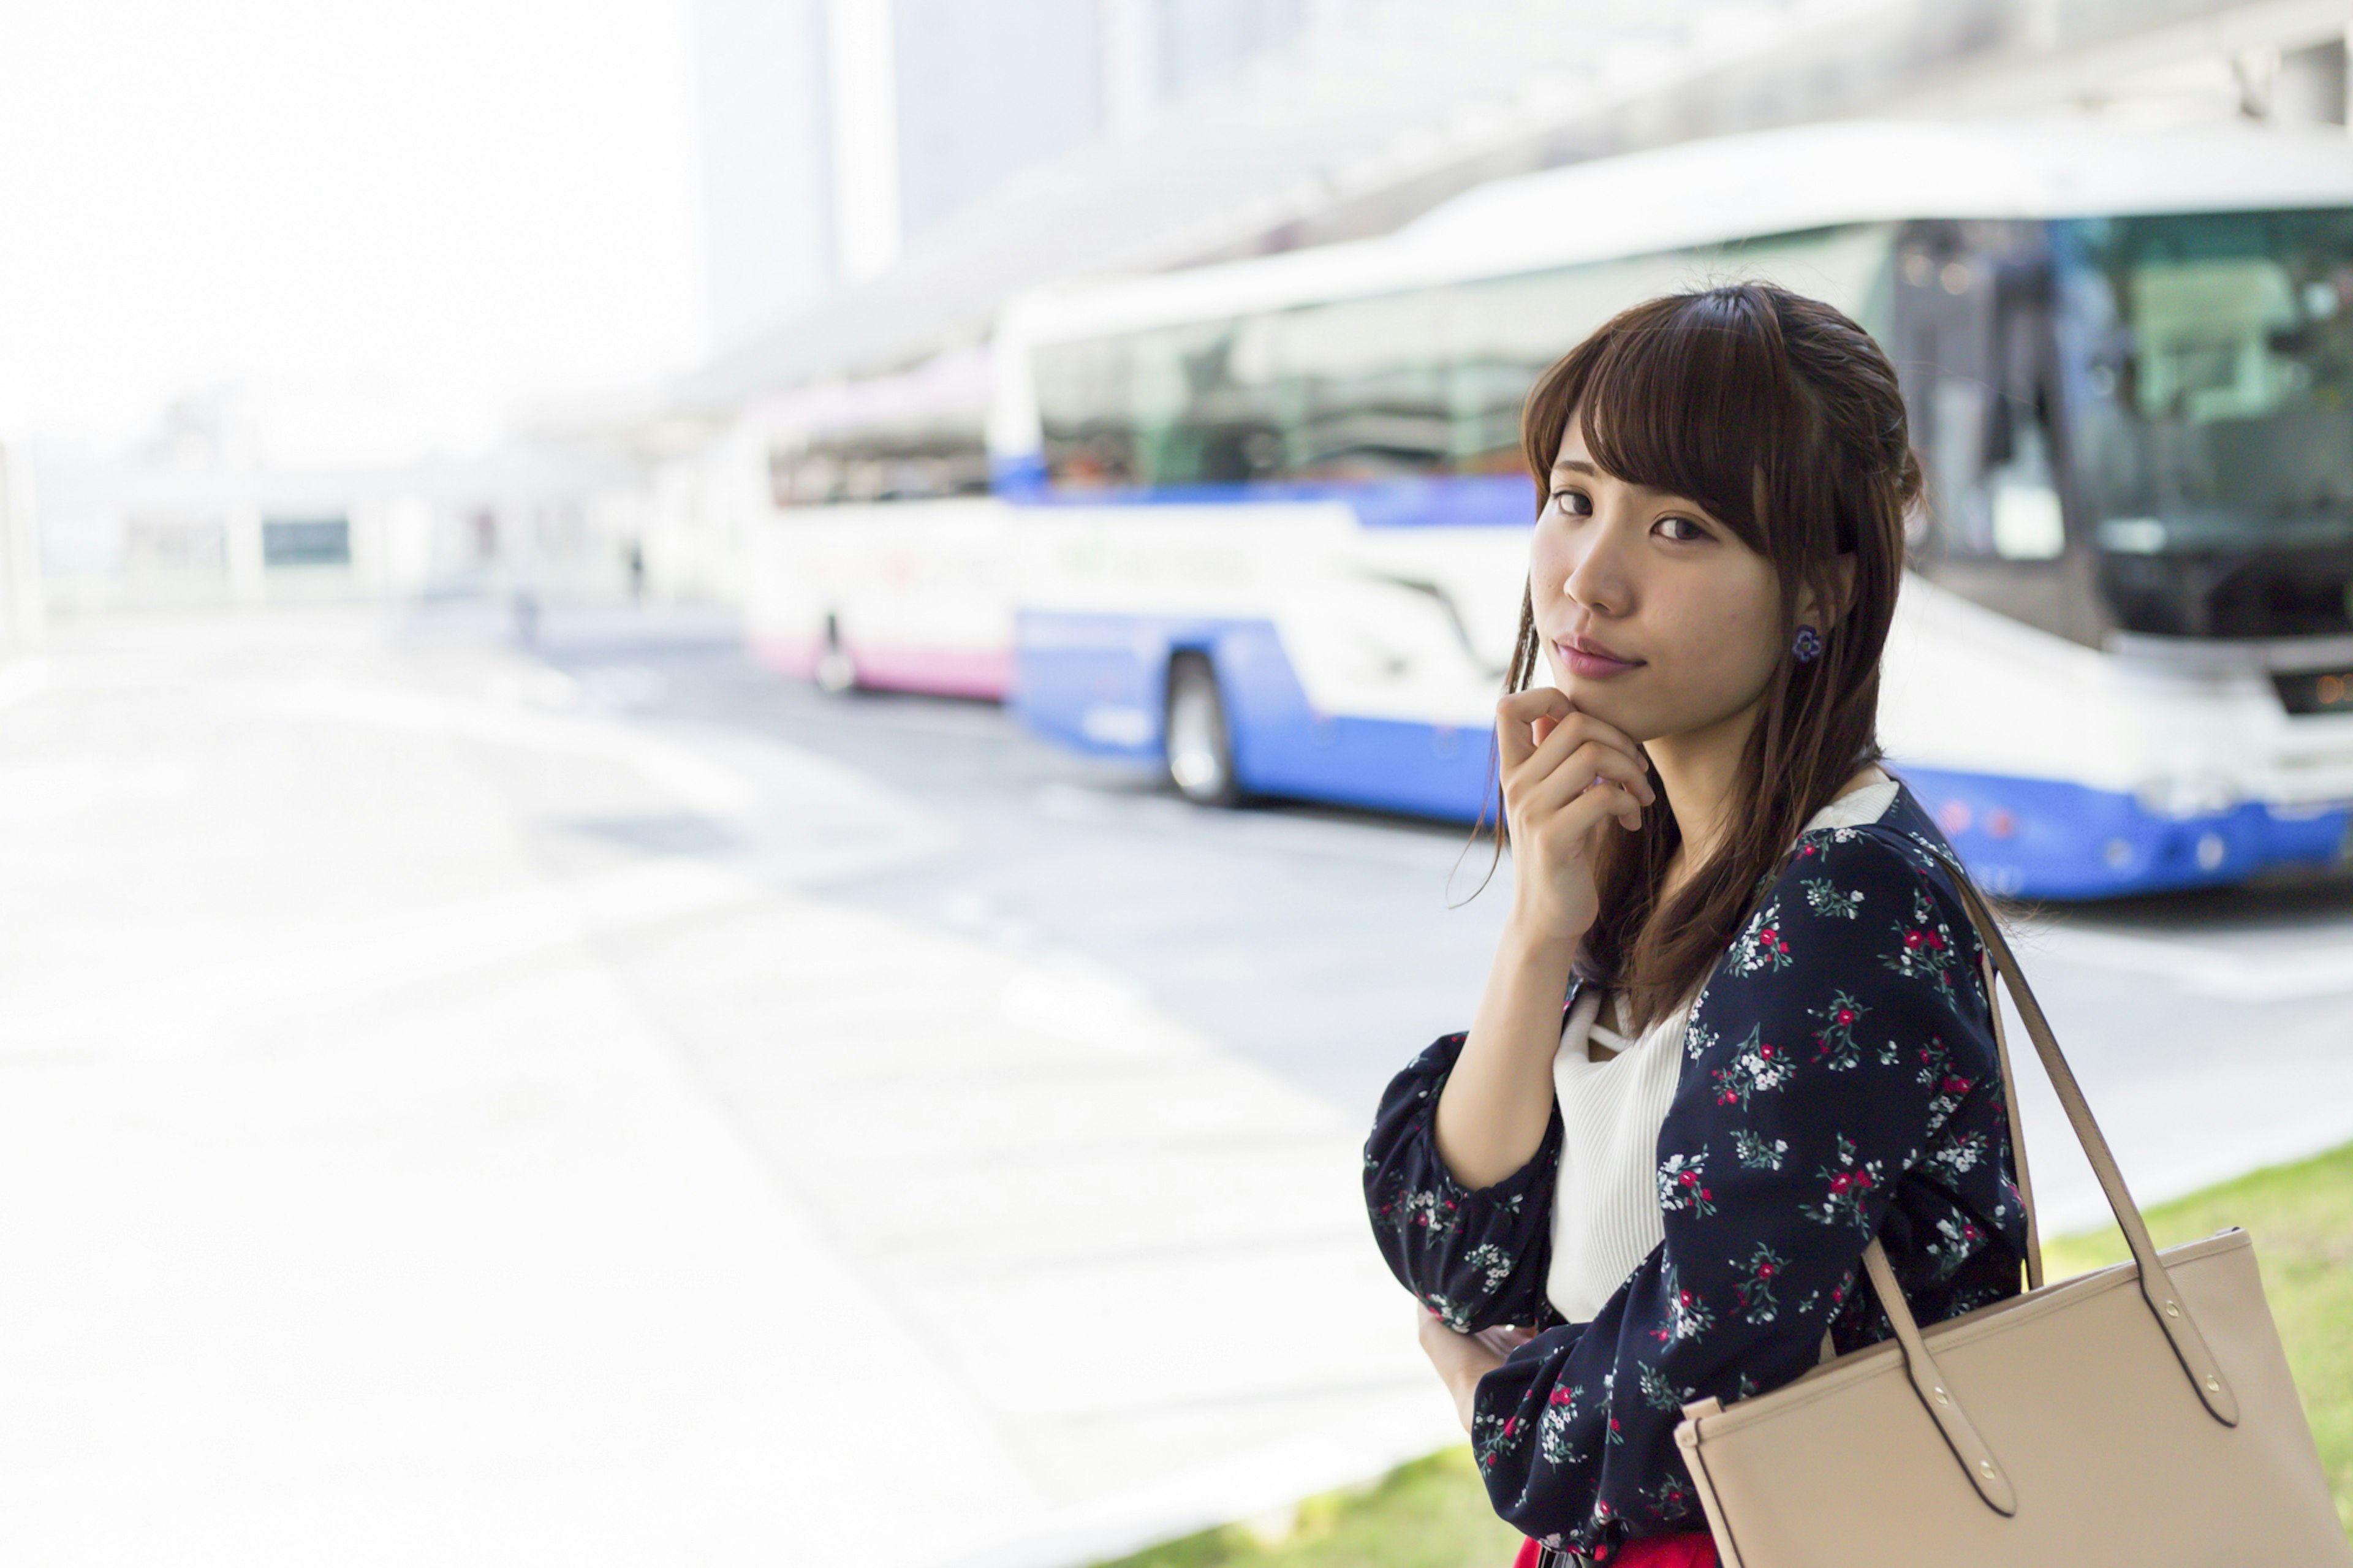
(2201, 969)
(176, 1014)
(1417, 849)
(689, 777)
(23, 682)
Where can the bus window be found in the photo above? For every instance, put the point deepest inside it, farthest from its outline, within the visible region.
(2213, 377)
(1085, 415)
(1971, 339)
(1196, 421)
(2205, 331)
(1428, 380)
(879, 466)
(1164, 406)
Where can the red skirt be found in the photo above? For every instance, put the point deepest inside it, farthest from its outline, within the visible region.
(1649, 1552)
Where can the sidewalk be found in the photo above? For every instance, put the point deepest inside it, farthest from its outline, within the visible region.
(383, 1189)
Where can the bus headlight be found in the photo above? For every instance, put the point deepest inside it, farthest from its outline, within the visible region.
(2179, 796)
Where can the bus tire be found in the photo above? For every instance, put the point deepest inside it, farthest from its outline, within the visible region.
(836, 671)
(1197, 741)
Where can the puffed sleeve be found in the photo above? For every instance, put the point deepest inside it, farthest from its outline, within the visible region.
(1477, 1257)
(1826, 1057)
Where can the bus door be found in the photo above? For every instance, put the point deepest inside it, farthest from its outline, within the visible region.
(1977, 352)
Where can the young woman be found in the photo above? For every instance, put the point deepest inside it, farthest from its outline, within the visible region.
(1603, 1223)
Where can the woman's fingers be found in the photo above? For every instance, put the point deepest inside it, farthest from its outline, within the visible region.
(1569, 819)
(1536, 729)
(1515, 715)
(1564, 819)
(1575, 730)
(1578, 772)
(1553, 754)
(1503, 1340)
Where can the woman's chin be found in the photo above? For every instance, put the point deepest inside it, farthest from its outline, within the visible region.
(1599, 699)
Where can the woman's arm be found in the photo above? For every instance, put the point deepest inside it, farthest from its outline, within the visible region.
(1474, 1257)
(1836, 1041)
(1462, 1360)
(1498, 1098)
(1493, 1114)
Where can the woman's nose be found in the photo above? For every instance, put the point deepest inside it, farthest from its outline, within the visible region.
(1597, 575)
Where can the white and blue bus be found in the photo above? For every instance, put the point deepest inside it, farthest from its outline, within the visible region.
(1272, 514)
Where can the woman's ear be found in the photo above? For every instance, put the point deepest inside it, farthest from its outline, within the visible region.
(1811, 610)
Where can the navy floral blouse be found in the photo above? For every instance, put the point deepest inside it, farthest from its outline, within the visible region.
(1838, 1079)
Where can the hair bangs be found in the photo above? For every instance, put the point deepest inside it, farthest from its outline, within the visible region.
(1694, 404)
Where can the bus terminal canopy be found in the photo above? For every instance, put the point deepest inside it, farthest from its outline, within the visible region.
(1763, 182)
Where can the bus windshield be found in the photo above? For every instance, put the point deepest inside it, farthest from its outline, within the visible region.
(1424, 381)
(2210, 359)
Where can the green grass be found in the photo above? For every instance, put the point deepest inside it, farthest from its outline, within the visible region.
(2301, 1218)
(1433, 1513)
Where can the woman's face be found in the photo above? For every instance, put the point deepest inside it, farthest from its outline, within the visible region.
(1653, 579)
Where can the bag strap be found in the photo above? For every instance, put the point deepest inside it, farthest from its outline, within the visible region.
(2164, 1302)
(2156, 1289)
(1943, 1405)
(2017, 1127)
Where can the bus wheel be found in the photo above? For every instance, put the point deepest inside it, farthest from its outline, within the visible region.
(835, 671)
(1200, 746)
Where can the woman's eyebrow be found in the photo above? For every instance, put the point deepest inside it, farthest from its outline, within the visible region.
(1574, 466)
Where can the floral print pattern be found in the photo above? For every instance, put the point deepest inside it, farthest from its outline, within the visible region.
(1838, 1081)
(1682, 1185)
(1826, 898)
(1756, 1291)
(1923, 943)
(1756, 1068)
(1847, 1184)
(1835, 1043)
(1761, 945)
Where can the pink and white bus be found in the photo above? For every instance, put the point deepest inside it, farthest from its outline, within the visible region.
(879, 559)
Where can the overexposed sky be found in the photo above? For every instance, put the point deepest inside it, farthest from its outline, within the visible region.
(435, 206)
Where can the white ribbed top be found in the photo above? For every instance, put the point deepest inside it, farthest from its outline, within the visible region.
(1605, 1212)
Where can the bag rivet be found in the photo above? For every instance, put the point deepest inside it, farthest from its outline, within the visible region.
(1986, 1466)
(2173, 1309)
(1942, 1397)
(2213, 1384)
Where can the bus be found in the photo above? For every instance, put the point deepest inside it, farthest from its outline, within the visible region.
(1273, 516)
(877, 557)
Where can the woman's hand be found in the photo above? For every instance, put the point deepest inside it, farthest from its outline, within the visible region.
(1566, 774)
(1462, 1360)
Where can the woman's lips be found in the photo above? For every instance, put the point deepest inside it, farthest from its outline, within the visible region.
(1592, 665)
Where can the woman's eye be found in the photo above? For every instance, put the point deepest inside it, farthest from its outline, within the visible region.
(1696, 530)
(1573, 504)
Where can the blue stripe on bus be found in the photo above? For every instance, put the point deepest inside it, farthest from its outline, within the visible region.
(1100, 683)
(1430, 501)
(2051, 838)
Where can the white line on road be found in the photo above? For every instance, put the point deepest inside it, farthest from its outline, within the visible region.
(1419, 848)
(2198, 968)
(22, 682)
(180, 1013)
(687, 777)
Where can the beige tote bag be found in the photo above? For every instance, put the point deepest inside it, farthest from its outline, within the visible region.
(2139, 1414)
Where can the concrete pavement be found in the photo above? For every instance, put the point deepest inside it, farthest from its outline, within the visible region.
(385, 1186)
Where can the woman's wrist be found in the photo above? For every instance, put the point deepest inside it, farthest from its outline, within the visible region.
(1492, 1114)
(1535, 943)
(1462, 1360)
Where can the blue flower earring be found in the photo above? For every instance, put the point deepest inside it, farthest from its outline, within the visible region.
(1808, 644)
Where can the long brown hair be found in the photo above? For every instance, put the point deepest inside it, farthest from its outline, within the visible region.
(1782, 417)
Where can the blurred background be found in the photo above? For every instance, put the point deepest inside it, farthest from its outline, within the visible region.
(736, 735)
